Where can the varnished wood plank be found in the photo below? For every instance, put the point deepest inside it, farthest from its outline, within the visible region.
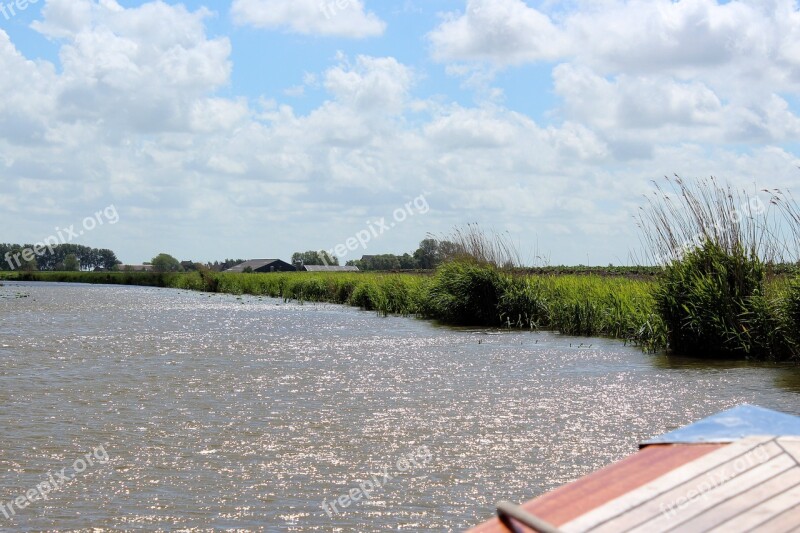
(792, 447)
(788, 521)
(787, 498)
(735, 511)
(681, 474)
(572, 500)
(693, 498)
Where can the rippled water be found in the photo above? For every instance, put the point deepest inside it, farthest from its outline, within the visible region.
(197, 411)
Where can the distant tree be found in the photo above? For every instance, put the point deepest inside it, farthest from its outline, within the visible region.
(166, 263)
(190, 266)
(71, 263)
(331, 260)
(407, 262)
(107, 259)
(427, 255)
(315, 258)
(385, 262)
(449, 250)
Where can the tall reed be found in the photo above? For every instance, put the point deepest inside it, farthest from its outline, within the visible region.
(684, 215)
(716, 246)
(471, 242)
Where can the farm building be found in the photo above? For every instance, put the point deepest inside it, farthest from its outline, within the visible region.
(135, 268)
(320, 268)
(263, 265)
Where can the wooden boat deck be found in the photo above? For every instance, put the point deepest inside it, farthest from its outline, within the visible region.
(749, 485)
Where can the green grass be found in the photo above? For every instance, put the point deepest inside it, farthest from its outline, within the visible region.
(586, 305)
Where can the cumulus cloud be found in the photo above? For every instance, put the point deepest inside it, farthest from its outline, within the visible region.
(631, 102)
(139, 113)
(137, 69)
(27, 98)
(340, 18)
(684, 38)
(642, 72)
(505, 32)
(687, 38)
(372, 84)
(661, 109)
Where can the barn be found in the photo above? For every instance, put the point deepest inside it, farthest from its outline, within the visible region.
(320, 268)
(263, 265)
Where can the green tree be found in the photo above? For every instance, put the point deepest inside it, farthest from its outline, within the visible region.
(450, 250)
(30, 266)
(107, 259)
(315, 258)
(407, 262)
(427, 255)
(71, 263)
(166, 263)
(385, 262)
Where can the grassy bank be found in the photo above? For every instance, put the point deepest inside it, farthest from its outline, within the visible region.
(457, 294)
(469, 294)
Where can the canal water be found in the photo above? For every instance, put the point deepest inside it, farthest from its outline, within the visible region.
(135, 408)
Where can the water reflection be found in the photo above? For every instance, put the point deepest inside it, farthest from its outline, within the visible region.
(786, 375)
(225, 412)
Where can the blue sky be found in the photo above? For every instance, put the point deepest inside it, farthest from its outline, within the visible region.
(257, 128)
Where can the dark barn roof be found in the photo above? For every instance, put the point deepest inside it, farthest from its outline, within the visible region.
(263, 265)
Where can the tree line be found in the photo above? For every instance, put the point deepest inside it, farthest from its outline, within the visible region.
(56, 257)
(430, 254)
(72, 257)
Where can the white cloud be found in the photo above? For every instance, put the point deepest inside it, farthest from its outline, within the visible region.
(639, 73)
(660, 109)
(469, 129)
(634, 102)
(372, 85)
(744, 40)
(340, 18)
(504, 32)
(684, 38)
(139, 69)
(139, 114)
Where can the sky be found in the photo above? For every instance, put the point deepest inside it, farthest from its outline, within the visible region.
(258, 128)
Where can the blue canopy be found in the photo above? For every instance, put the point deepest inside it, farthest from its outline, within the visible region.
(733, 424)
